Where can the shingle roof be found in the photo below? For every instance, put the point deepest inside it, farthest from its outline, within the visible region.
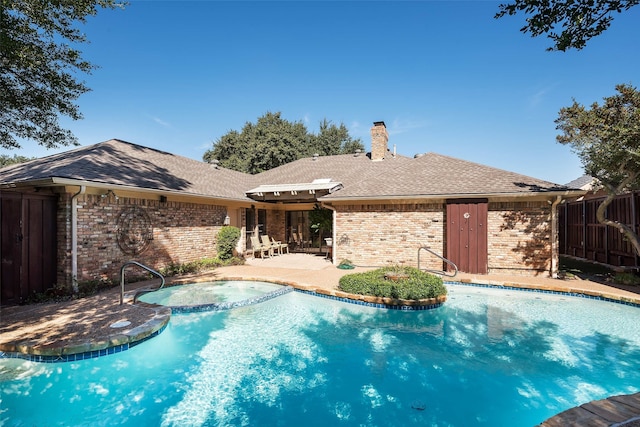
(585, 182)
(121, 163)
(431, 175)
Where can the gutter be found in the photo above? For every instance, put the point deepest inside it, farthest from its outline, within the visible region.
(74, 237)
(57, 181)
(565, 193)
(555, 247)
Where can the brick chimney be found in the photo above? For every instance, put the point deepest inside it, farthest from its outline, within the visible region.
(379, 139)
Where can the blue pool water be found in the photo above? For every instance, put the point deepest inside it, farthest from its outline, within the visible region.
(209, 293)
(487, 357)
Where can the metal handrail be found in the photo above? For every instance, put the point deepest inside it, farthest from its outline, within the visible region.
(444, 273)
(150, 270)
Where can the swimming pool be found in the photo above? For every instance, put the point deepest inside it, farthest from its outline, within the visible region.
(487, 357)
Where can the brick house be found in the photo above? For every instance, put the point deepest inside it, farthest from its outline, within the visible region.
(79, 215)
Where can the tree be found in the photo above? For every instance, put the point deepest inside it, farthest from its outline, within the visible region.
(580, 19)
(333, 139)
(607, 140)
(37, 67)
(273, 141)
(6, 160)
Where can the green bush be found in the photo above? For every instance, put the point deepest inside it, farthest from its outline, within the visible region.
(227, 240)
(176, 269)
(412, 284)
(626, 279)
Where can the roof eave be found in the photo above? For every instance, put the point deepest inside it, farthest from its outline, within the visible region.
(562, 193)
(58, 181)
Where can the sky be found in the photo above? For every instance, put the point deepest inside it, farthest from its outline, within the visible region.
(444, 76)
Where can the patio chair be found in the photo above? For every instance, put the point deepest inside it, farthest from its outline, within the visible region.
(271, 245)
(280, 245)
(256, 246)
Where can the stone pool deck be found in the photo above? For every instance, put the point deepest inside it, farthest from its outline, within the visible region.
(87, 325)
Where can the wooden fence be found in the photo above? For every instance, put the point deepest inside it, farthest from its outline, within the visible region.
(582, 236)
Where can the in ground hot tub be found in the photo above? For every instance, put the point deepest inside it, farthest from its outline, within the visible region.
(211, 296)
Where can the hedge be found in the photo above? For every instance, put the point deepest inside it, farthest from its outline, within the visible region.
(414, 285)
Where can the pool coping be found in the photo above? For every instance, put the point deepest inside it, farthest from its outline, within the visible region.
(120, 340)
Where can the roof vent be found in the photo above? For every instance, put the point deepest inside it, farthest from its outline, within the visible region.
(418, 155)
(315, 156)
(357, 153)
(214, 163)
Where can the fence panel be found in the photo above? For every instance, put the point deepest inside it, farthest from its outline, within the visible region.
(581, 235)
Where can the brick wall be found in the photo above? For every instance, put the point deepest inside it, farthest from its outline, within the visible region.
(519, 237)
(179, 233)
(389, 234)
(276, 224)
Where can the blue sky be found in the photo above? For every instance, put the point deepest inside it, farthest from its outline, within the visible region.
(445, 76)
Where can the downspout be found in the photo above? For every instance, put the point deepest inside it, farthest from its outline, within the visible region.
(554, 237)
(333, 233)
(74, 237)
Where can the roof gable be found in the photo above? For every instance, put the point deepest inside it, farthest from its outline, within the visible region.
(117, 162)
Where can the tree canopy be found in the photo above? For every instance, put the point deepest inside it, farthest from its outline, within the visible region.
(38, 68)
(6, 160)
(273, 141)
(607, 139)
(580, 20)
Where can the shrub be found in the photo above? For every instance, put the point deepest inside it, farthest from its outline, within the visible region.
(59, 293)
(228, 238)
(626, 279)
(414, 284)
(175, 269)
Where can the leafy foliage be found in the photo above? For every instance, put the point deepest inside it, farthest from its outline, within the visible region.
(176, 269)
(580, 20)
(227, 240)
(64, 292)
(607, 139)
(628, 279)
(273, 141)
(37, 67)
(332, 139)
(416, 285)
(6, 160)
(320, 220)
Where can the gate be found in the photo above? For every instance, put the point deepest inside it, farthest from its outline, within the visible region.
(28, 245)
(467, 234)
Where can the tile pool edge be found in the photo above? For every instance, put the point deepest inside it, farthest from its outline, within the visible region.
(572, 292)
(377, 302)
(233, 304)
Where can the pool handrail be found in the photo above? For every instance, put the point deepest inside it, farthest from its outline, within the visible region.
(444, 272)
(149, 269)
